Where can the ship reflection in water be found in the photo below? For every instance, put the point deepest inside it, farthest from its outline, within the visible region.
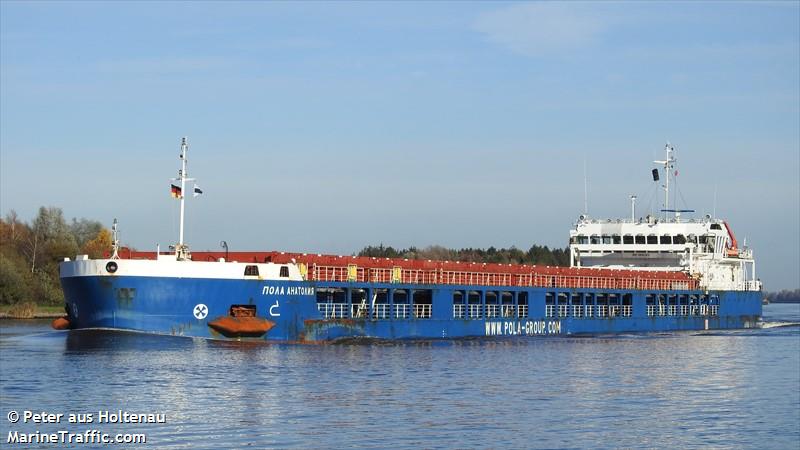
(735, 388)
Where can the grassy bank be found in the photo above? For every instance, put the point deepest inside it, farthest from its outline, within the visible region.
(30, 311)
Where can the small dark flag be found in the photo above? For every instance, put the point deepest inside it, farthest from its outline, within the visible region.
(655, 174)
(176, 191)
(197, 190)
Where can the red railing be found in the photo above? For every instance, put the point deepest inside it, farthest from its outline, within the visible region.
(420, 276)
(409, 271)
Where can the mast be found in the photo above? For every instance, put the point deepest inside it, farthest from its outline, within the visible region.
(182, 175)
(114, 240)
(668, 165)
(181, 250)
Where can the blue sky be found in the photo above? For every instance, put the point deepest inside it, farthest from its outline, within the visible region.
(324, 127)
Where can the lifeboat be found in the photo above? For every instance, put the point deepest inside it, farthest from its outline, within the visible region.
(61, 323)
(241, 322)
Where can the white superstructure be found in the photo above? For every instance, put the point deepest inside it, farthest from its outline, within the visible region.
(705, 248)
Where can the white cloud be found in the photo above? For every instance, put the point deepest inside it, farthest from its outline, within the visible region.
(539, 28)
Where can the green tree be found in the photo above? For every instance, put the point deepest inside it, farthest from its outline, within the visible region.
(84, 230)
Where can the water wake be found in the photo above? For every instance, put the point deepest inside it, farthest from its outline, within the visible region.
(764, 325)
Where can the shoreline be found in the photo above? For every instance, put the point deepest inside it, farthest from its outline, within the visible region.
(41, 315)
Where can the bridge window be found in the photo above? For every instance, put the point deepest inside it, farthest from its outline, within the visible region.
(666, 239)
(616, 239)
(606, 239)
(652, 239)
(679, 239)
(284, 272)
(595, 239)
(583, 239)
(640, 239)
(627, 239)
(251, 271)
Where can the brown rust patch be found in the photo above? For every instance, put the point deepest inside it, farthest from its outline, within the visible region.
(341, 322)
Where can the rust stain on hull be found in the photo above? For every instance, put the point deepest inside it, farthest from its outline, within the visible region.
(316, 330)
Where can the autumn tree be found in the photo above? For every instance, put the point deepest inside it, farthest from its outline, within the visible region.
(99, 246)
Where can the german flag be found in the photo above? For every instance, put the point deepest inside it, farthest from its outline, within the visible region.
(176, 191)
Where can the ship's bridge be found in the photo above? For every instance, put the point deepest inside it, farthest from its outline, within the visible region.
(704, 247)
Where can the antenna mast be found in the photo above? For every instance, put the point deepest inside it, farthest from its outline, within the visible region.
(181, 250)
(668, 165)
(114, 240)
(585, 190)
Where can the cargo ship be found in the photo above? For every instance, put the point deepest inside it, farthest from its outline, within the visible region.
(629, 275)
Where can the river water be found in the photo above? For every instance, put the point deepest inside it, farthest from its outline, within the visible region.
(729, 389)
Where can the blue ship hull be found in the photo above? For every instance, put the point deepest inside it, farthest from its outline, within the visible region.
(305, 311)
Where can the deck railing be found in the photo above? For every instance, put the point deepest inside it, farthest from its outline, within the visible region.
(333, 310)
(352, 273)
(682, 310)
(381, 311)
(400, 311)
(422, 311)
(475, 311)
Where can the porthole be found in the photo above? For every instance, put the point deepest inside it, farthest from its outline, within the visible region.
(111, 267)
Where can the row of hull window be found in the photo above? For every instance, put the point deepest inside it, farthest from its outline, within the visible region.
(640, 239)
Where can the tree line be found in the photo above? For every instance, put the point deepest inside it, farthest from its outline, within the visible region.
(539, 255)
(784, 296)
(30, 253)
